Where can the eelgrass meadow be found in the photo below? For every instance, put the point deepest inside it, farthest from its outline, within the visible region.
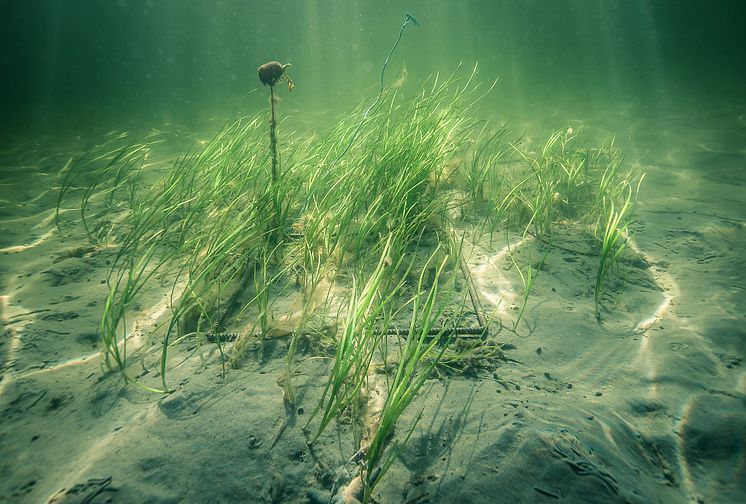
(336, 238)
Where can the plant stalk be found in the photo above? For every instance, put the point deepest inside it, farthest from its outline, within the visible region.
(272, 134)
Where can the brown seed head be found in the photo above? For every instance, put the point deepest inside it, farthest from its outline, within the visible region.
(270, 73)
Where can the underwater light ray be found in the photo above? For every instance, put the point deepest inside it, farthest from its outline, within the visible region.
(688, 483)
(14, 338)
(502, 294)
(27, 246)
(669, 288)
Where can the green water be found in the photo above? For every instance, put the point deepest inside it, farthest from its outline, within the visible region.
(77, 63)
(644, 404)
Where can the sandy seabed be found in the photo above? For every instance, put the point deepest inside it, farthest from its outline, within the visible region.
(649, 405)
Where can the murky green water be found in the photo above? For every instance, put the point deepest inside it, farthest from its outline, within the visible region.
(93, 62)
